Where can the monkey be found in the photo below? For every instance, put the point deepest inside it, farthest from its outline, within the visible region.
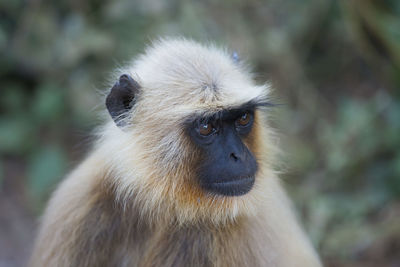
(182, 173)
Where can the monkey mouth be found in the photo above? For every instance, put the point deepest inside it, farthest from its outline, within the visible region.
(235, 187)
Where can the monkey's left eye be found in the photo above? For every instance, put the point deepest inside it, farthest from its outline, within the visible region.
(244, 120)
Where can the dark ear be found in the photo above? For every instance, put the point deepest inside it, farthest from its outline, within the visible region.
(122, 98)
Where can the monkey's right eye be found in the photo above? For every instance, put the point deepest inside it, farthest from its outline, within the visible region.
(206, 129)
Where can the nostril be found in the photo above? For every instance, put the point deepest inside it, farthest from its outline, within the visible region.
(234, 157)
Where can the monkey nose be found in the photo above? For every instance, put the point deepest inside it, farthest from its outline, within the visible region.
(234, 157)
(237, 156)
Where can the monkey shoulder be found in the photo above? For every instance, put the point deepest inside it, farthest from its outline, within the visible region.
(83, 224)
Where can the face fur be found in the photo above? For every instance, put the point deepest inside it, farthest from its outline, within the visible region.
(188, 120)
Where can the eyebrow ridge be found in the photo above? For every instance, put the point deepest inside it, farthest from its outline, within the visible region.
(230, 112)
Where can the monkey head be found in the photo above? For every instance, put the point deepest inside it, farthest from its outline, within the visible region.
(188, 134)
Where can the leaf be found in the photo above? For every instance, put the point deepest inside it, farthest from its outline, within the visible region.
(46, 167)
(48, 103)
(16, 134)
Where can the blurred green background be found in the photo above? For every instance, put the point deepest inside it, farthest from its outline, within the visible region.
(335, 66)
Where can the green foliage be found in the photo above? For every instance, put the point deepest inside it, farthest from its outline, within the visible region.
(48, 103)
(15, 134)
(46, 167)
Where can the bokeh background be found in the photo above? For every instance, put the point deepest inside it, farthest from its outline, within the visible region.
(335, 67)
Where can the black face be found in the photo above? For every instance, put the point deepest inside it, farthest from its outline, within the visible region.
(228, 167)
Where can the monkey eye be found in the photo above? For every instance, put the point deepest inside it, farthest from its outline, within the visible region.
(205, 129)
(243, 120)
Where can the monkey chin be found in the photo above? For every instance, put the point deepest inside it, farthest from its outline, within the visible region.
(235, 187)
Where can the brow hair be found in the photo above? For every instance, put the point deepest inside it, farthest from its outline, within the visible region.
(229, 113)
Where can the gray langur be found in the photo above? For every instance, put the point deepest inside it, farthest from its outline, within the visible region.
(181, 175)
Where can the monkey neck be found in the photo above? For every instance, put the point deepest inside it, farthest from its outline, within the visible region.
(172, 243)
(168, 241)
(200, 244)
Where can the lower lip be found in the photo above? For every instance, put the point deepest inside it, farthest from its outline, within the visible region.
(240, 181)
(237, 187)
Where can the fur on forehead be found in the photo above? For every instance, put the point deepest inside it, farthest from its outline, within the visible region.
(154, 159)
(191, 77)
